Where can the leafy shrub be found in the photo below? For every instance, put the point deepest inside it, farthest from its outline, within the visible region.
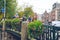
(8, 23)
(15, 20)
(12, 23)
(15, 23)
(35, 28)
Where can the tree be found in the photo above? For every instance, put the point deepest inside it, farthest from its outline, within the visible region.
(1, 16)
(21, 13)
(1, 6)
(28, 12)
(10, 7)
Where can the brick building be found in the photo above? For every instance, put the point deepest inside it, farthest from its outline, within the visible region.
(54, 15)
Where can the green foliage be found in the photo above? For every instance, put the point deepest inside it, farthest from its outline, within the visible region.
(15, 20)
(10, 8)
(28, 11)
(8, 21)
(15, 23)
(1, 16)
(1, 4)
(12, 23)
(35, 28)
(21, 13)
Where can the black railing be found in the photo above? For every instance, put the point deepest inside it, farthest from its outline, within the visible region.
(50, 32)
(16, 35)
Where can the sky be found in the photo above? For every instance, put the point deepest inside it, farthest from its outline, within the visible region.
(38, 6)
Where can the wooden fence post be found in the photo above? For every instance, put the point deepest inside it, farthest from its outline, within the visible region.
(24, 30)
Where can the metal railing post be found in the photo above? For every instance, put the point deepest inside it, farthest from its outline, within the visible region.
(53, 33)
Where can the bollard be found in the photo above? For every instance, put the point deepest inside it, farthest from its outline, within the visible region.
(24, 30)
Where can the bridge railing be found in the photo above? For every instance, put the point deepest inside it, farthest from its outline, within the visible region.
(16, 35)
(50, 32)
(12, 28)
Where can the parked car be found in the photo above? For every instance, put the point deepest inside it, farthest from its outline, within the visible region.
(56, 23)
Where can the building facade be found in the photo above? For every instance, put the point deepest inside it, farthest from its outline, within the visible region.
(45, 17)
(54, 15)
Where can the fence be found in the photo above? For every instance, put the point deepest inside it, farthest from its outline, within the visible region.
(50, 33)
(11, 32)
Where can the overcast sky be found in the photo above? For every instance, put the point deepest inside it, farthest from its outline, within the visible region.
(38, 6)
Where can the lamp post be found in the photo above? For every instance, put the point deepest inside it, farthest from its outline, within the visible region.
(3, 28)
